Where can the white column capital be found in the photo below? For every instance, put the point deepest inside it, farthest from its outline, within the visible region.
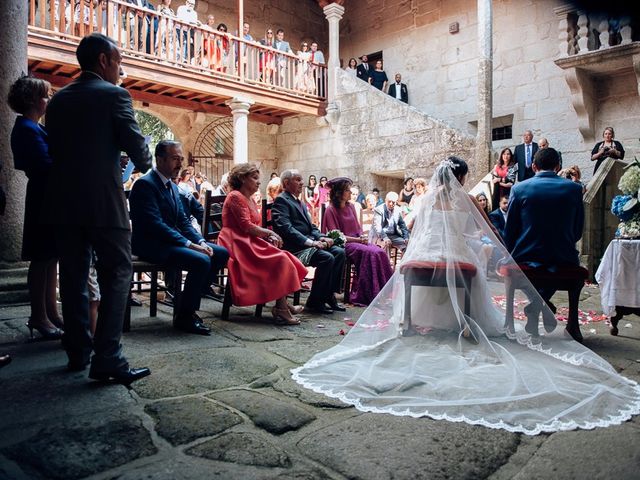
(333, 10)
(239, 105)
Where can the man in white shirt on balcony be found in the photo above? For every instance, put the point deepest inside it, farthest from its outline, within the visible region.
(317, 58)
(186, 13)
(281, 60)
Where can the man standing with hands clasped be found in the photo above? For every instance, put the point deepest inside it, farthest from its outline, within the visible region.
(524, 154)
(90, 122)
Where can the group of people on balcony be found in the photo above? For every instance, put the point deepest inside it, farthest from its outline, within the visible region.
(178, 36)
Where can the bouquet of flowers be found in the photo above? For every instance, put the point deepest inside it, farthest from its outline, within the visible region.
(626, 207)
(339, 240)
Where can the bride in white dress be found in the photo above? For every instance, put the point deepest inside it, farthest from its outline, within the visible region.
(465, 367)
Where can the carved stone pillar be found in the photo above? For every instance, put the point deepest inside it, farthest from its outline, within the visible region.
(583, 32)
(333, 12)
(566, 30)
(13, 58)
(485, 84)
(240, 110)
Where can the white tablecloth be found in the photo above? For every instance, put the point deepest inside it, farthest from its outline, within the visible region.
(619, 275)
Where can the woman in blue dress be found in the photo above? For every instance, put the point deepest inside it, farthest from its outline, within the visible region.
(378, 77)
(28, 97)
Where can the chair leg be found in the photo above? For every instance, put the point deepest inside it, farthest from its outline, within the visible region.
(296, 297)
(467, 296)
(408, 329)
(258, 313)
(153, 294)
(347, 282)
(510, 291)
(226, 305)
(126, 324)
(177, 291)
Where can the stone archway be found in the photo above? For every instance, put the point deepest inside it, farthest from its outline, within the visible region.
(213, 150)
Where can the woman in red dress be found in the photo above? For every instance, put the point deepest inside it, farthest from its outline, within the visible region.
(258, 269)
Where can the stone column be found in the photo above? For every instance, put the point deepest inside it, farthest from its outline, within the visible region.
(240, 110)
(13, 59)
(334, 13)
(485, 84)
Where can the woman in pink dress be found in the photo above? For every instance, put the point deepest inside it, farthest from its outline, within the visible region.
(372, 266)
(258, 269)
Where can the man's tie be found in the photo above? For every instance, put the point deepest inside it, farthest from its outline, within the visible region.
(528, 155)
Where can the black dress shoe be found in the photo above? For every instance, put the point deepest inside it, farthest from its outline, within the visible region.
(5, 360)
(134, 302)
(211, 294)
(76, 366)
(320, 308)
(123, 377)
(191, 323)
(334, 305)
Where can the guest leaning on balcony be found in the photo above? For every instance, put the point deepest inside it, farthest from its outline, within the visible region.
(372, 267)
(28, 97)
(258, 269)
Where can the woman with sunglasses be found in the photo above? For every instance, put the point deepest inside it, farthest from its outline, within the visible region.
(304, 75)
(267, 58)
(221, 55)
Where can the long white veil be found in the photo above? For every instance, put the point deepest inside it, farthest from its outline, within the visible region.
(458, 361)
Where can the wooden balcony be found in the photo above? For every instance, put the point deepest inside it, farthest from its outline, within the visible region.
(170, 62)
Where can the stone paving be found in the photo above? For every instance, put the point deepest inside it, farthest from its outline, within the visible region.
(225, 407)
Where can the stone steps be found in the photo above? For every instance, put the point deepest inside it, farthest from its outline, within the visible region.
(13, 286)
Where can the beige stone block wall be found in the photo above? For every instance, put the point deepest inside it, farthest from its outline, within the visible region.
(377, 140)
(301, 20)
(440, 68)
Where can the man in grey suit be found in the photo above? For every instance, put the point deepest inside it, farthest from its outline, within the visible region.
(89, 123)
(281, 60)
(388, 224)
(292, 222)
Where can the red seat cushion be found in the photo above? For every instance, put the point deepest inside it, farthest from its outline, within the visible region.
(467, 268)
(567, 272)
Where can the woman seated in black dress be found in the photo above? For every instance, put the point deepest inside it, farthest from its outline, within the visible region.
(28, 97)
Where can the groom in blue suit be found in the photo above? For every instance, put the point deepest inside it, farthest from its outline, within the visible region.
(162, 233)
(544, 221)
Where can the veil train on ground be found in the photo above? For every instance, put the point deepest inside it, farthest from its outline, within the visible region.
(440, 348)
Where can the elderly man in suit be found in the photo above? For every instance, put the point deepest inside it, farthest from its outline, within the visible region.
(388, 224)
(90, 122)
(545, 218)
(524, 154)
(162, 233)
(292, 222)
(398, 90)
(499, 216)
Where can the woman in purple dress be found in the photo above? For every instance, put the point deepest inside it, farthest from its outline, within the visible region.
(372, 266)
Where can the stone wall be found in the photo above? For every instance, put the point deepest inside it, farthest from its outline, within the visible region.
(377, 140)
(440, 68)
(300, 19)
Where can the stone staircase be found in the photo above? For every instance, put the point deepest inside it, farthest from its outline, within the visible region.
(13, 286)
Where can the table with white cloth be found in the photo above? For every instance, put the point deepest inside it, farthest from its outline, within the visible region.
(619, 278)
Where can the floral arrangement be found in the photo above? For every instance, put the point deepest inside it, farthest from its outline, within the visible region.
(339, 240)
(626, 207)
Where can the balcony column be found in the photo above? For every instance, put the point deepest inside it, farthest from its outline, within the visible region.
(240, 110)
(13, 58)
(485, 84)
(333, 12)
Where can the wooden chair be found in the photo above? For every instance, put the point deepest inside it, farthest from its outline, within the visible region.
(434, 274)
(152, 269)
(569, 278)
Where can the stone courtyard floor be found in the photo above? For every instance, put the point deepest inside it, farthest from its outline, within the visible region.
(225, 407)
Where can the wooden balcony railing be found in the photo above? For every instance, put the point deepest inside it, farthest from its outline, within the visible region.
(163, 38)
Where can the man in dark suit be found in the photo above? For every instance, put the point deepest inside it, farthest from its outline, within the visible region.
(399, 90)
(162, 233)
(388, 224)
(545, 218)
(499, 216)
(89, 123)
(524, 154)
(363, 71)
(292, 222)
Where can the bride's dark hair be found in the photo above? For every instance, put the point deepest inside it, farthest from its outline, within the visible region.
(458, 167)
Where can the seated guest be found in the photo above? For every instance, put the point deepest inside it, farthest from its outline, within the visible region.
(388, 224)
(258, 269)
(274, 188)
(367, 213)
(193, 209)
(372, 266)
(546, 216)
(223, 188)
(292, 222)
(162, 233)
(483, 202)
(499, 216)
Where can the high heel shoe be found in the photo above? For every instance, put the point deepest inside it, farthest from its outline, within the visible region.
(45, 332)
(57, 322)
(281, 319)
(295, 309)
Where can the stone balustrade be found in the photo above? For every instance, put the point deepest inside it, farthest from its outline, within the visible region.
(580, 32)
